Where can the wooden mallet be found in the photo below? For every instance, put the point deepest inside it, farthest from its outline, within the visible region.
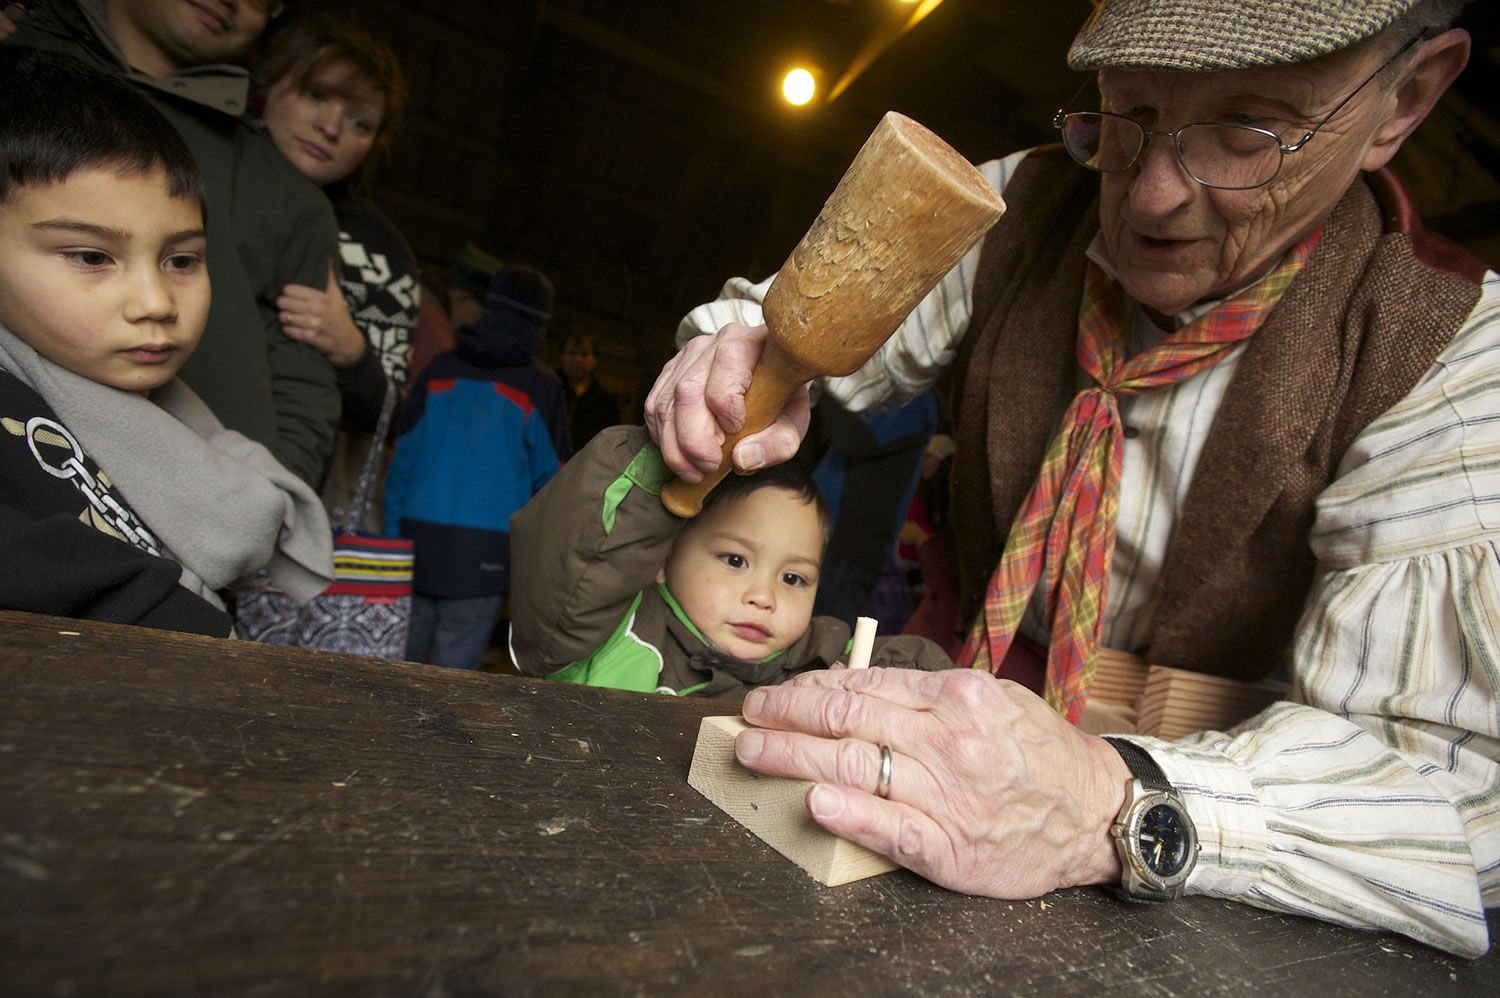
(906, 210)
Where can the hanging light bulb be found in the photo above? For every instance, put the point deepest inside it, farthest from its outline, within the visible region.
(798, 86)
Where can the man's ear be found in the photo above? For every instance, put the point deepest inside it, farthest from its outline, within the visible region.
(1432, 69)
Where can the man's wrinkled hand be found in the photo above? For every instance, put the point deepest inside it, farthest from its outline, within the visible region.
(991, 791)
(699, 400)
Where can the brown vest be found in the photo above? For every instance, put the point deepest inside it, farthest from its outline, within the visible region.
(1367, 316)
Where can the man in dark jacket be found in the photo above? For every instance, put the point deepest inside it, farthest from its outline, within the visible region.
(268, 224)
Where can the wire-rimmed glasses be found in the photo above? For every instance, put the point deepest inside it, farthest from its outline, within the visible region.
(1214, 153)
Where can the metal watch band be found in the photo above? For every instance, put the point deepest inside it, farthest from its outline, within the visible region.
(1141, 764)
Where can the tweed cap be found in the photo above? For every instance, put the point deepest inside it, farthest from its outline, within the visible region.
(1210, 35)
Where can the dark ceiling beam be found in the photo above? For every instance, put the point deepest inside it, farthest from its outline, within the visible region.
(597, 36)
(832, 129)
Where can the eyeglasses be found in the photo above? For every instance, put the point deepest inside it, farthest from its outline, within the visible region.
(1214, 153)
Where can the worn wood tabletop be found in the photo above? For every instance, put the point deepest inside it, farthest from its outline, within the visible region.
(180, 815)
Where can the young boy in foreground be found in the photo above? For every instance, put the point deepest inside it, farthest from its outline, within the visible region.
(611, 589)
(123, 498)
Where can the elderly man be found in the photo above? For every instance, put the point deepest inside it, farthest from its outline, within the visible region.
(1225, 405)
(268, 226)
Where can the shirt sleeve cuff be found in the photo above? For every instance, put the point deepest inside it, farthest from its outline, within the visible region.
(1226, 812)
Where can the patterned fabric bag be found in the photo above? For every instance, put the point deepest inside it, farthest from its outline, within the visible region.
(367, 610)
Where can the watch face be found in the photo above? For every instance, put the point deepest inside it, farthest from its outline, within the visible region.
(1163, 840)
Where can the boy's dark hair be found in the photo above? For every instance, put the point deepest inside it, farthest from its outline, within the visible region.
(58, 115)
(793, 476)
(310, 43)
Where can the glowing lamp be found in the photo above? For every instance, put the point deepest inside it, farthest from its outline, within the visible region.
(798, 86)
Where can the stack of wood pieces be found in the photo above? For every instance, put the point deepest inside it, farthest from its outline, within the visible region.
(1128, 696)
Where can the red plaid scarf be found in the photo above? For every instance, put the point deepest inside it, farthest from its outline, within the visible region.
(1064, 534)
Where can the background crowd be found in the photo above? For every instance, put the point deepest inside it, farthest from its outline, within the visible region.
(322, 318)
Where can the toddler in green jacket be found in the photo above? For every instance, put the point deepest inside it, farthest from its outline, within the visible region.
(612, 589)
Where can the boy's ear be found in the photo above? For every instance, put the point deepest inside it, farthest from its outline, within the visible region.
(661, 575)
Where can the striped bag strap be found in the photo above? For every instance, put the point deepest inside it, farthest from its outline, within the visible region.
(359, 505)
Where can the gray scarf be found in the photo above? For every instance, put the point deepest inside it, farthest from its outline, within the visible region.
(222, 506)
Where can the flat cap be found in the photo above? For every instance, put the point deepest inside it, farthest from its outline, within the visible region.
(1209, 35)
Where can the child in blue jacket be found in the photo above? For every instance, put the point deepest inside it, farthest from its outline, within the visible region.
(484, 428)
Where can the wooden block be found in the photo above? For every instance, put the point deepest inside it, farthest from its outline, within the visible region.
(1115, 694)
(1104, 718)
(1119, 678)
(775, 809)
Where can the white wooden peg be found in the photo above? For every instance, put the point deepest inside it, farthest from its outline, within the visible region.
(864, 641)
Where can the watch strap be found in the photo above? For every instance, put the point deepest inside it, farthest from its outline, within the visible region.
(1141, 764)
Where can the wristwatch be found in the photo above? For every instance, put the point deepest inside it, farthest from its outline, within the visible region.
(1153, 833)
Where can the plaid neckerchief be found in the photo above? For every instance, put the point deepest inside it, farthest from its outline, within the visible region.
(1064, 534)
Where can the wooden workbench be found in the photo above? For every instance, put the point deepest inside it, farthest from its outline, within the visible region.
(187, 816)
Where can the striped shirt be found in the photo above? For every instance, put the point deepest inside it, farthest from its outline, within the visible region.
(1372, 797)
